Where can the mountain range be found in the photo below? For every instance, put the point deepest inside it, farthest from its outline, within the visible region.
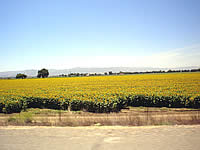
(55, 72)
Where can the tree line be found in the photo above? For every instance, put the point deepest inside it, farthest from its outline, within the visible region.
(44, 73)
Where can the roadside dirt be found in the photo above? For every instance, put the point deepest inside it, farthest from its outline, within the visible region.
(127, 117)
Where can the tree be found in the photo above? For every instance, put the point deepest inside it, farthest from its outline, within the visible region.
(21, 76)
(44, 73)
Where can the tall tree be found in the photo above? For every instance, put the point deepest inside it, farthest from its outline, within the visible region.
(21, 76)
(44, 73)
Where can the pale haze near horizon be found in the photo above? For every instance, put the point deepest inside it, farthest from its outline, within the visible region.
(99, 33)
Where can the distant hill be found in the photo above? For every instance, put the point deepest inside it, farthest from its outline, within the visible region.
(54, 72)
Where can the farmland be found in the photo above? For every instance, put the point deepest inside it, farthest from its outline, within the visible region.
(101, 93)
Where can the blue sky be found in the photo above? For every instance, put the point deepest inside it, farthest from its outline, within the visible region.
(99, 33)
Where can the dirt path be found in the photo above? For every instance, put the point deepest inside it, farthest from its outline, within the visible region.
(100, 138)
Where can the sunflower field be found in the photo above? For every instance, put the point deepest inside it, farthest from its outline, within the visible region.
(101, 93)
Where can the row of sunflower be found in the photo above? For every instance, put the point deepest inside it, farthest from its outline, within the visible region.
(106, 106)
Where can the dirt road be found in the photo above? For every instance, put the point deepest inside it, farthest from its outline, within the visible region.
(100, 138)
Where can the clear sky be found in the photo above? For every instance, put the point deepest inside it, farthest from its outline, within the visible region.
(59, 34)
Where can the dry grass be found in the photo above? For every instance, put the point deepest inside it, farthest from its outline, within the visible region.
(128, 117)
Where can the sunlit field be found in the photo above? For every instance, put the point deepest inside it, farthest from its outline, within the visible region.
(102, 88)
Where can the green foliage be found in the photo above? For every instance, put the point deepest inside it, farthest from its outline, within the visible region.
(12, 106)
(105, 106)
(23, 117)
(196, 102)
(37, 102)
(76, 105)
(12, 119)
(44, 73)
(160, 101)
(21, 76)
(2, 105)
